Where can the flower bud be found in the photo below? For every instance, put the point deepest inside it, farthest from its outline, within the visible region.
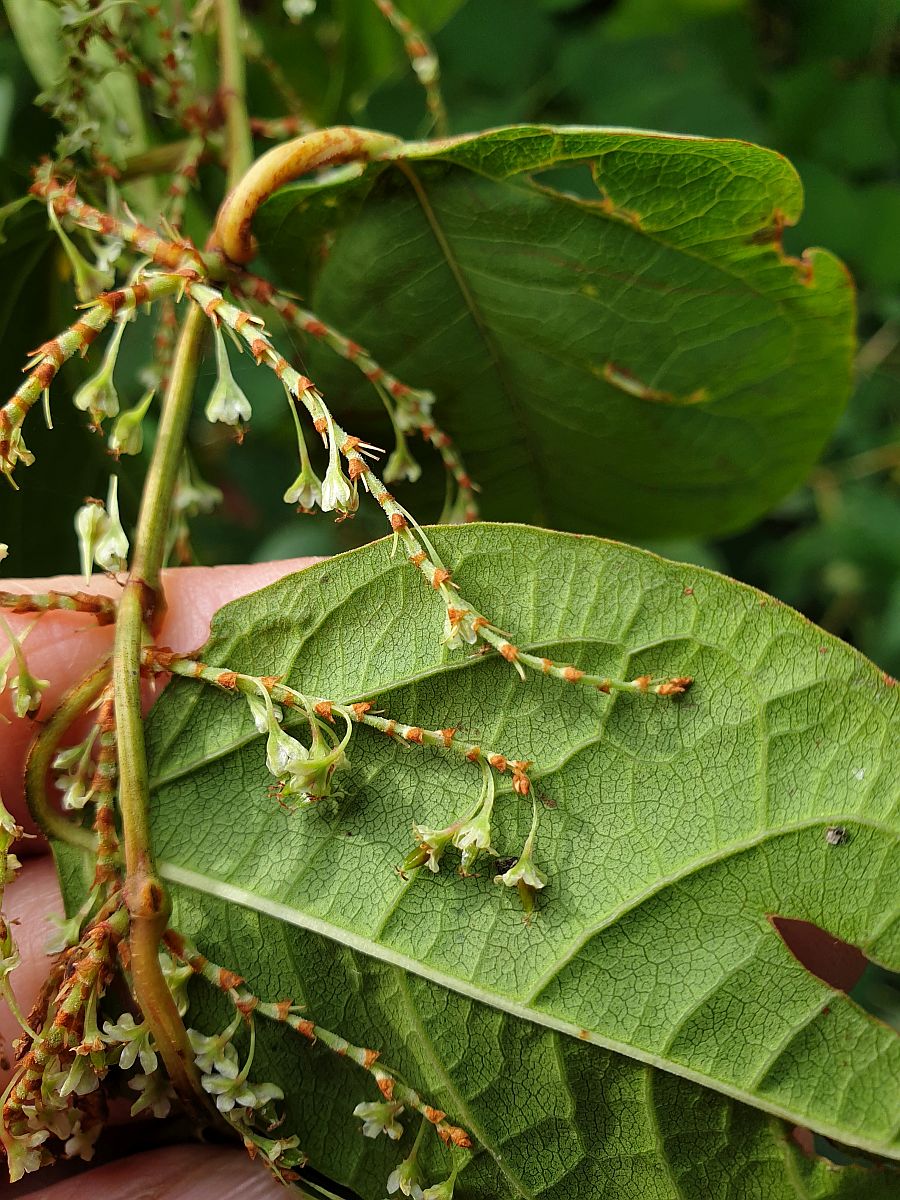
(111, 550)
(413, 410)
(441, 1191)
(89, 522)
(338, 493)
(306, 490)
(127, 435)
(227, 402)
(90, 279)
(401, 465)
(98, 395)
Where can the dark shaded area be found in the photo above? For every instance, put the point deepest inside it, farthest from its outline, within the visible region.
(836, 963)
(844, 967)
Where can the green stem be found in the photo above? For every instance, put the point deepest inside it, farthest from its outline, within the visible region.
(40, 757)
(140, 605)
(232, 90)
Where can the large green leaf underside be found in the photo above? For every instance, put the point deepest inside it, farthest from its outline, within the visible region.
(645, 362)
(672, 830)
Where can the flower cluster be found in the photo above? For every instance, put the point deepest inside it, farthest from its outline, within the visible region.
(304, 773)
(77, 764)
(247, 1106)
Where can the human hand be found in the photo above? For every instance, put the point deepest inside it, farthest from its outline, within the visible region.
(62, 648)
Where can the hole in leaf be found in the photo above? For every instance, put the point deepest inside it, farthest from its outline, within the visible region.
(814, 1145)
(843, 967)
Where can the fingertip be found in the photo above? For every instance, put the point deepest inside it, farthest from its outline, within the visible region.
(193, 594)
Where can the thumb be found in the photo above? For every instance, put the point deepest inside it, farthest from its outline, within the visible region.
(64, 646)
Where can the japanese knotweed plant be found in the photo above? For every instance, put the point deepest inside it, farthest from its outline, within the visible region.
(590, 997)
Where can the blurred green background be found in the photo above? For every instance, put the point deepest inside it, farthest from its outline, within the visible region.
(818, 80)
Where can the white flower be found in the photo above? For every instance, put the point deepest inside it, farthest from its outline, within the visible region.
(227, 403)
(405, 1179)
(89, 522)
(473, 837)
(237, 1091)
(27, 691)
(296, 10)
(523, 871)
(215, 1053)
(23, 1152)
(401, 465)
(82, 1077)
(306, 490)
(338, 493)
(156, 1094)
(177, 976)
(413, 410)
(111, 550)
(98, 395)
(380, 1116)
(135, 1042)
(459, 628)
(81, 1141)
(301, 771)
(433, 843)
(192, 494)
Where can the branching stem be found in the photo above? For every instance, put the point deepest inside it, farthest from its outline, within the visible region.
(141, 605)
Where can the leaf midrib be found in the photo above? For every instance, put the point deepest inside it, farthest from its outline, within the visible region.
(228, 892)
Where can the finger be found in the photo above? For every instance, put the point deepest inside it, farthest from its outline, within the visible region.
(63, 646)
(28, 905)
(174, 1173)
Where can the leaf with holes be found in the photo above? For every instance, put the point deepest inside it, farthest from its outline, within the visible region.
(645, 1032)
(647, 362)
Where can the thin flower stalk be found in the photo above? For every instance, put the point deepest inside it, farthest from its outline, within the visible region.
(103, 608)
(103, 789)
(413, 405)
(184, 179)
(422, 58)
(286, 1012)
(278, 129)
(47, 359)
(417, 546)
(171, 255)
(160, 660)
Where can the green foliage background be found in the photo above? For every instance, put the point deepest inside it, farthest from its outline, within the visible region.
(817, 81)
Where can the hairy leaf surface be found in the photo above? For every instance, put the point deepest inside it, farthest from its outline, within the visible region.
(653, 343)
(635, 1038)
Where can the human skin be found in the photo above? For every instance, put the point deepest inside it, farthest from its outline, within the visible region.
(62, 647)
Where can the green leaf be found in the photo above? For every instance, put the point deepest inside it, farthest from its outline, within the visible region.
(648, 362)
(649, 1020)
